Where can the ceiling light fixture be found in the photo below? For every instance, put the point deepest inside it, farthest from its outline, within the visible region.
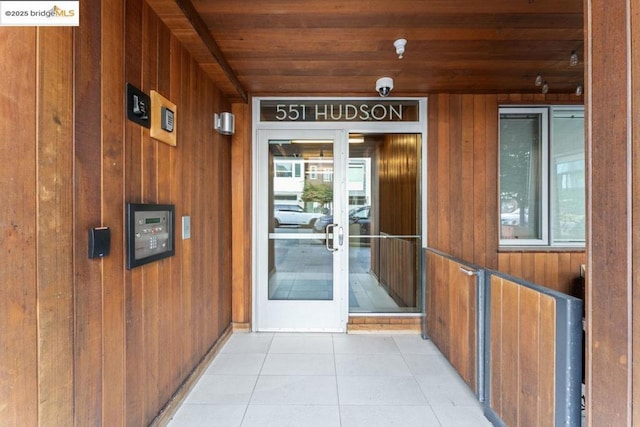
(400, 44)
(545, 87)
(538, 81)
(573, 59)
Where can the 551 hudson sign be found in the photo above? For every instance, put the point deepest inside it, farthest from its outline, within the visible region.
(339, 110)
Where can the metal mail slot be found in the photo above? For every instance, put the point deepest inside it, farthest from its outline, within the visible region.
(150, 233)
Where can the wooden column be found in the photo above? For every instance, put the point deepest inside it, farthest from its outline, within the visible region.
(241, 214)
(613, 236)
(635, 129)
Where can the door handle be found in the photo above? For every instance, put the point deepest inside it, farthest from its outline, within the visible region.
(329, 241)
(468, 272)
(340, 236)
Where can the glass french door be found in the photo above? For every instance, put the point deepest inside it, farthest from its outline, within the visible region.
(302, 231)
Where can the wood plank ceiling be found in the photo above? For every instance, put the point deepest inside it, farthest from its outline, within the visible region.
(331, 47)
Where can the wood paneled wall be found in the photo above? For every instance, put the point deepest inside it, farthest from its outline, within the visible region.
(613, 144)
(451, 314)
(462, 200)
(36, 240)
(523, 354)
(241, 214)
(398, 171)
(398, 270)
(86, 341)
(395, 213)
(555, 270)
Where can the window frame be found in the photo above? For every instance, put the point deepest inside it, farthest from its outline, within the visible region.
(553, 177)
(288, 169)
(547, 240)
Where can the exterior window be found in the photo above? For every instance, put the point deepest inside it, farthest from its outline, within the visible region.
(542, 176)
(356, 177)
(284, 170)
(327, 174)
(313, 172)
(567, 177)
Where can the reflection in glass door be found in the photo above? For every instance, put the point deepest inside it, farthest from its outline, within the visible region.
(384, 223)
(302, 256)
(301, 193)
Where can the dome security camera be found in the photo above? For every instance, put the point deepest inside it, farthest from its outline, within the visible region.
(384, 86)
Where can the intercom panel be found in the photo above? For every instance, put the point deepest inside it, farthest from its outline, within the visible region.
(150, 233)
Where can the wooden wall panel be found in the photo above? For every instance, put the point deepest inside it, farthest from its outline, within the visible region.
(481, 172)
(613, 140)
(452, 314)
(18, 233)
(241, 206)
(175, 355)
(225, 242)
(529, 361)
(635, 129)
(555, 270)
(398, 180)
(547, 351)
(134, 337)
(522, 374)
(113, 161)
(495, 320)
(509, 350)
(463, 300)
(55, 206)
(88, 291)
(462, 200)
(86, 341)
(396, 213)
(398, 270)
(462, 153)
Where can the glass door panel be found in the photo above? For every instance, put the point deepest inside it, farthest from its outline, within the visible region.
(301, 236)
(301, 193)
(384, 223)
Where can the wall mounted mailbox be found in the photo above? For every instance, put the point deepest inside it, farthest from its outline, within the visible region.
(150, 233)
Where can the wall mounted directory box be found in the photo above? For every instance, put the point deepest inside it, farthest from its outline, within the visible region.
(150, 233)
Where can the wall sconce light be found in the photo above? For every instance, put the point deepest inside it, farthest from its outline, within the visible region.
(579, 89)
(224, 123)
(400, 44)
(545, 88)
(538, 81)
(573, 59)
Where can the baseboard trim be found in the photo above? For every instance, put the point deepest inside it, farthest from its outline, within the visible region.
(241, 327)
(373, 328)
(385, 324)
(169, 410)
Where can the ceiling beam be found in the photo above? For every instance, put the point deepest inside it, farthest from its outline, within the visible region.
(201, 28)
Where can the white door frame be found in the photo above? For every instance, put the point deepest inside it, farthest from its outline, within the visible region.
(305, 315)
(259, 163)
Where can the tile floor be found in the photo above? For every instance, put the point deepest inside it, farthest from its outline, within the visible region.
(266, 379)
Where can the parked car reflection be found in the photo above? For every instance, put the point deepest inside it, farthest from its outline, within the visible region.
(293, 215)
(359, 223)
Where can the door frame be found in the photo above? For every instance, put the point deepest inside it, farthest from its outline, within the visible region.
(308, 312)
(415, 127)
